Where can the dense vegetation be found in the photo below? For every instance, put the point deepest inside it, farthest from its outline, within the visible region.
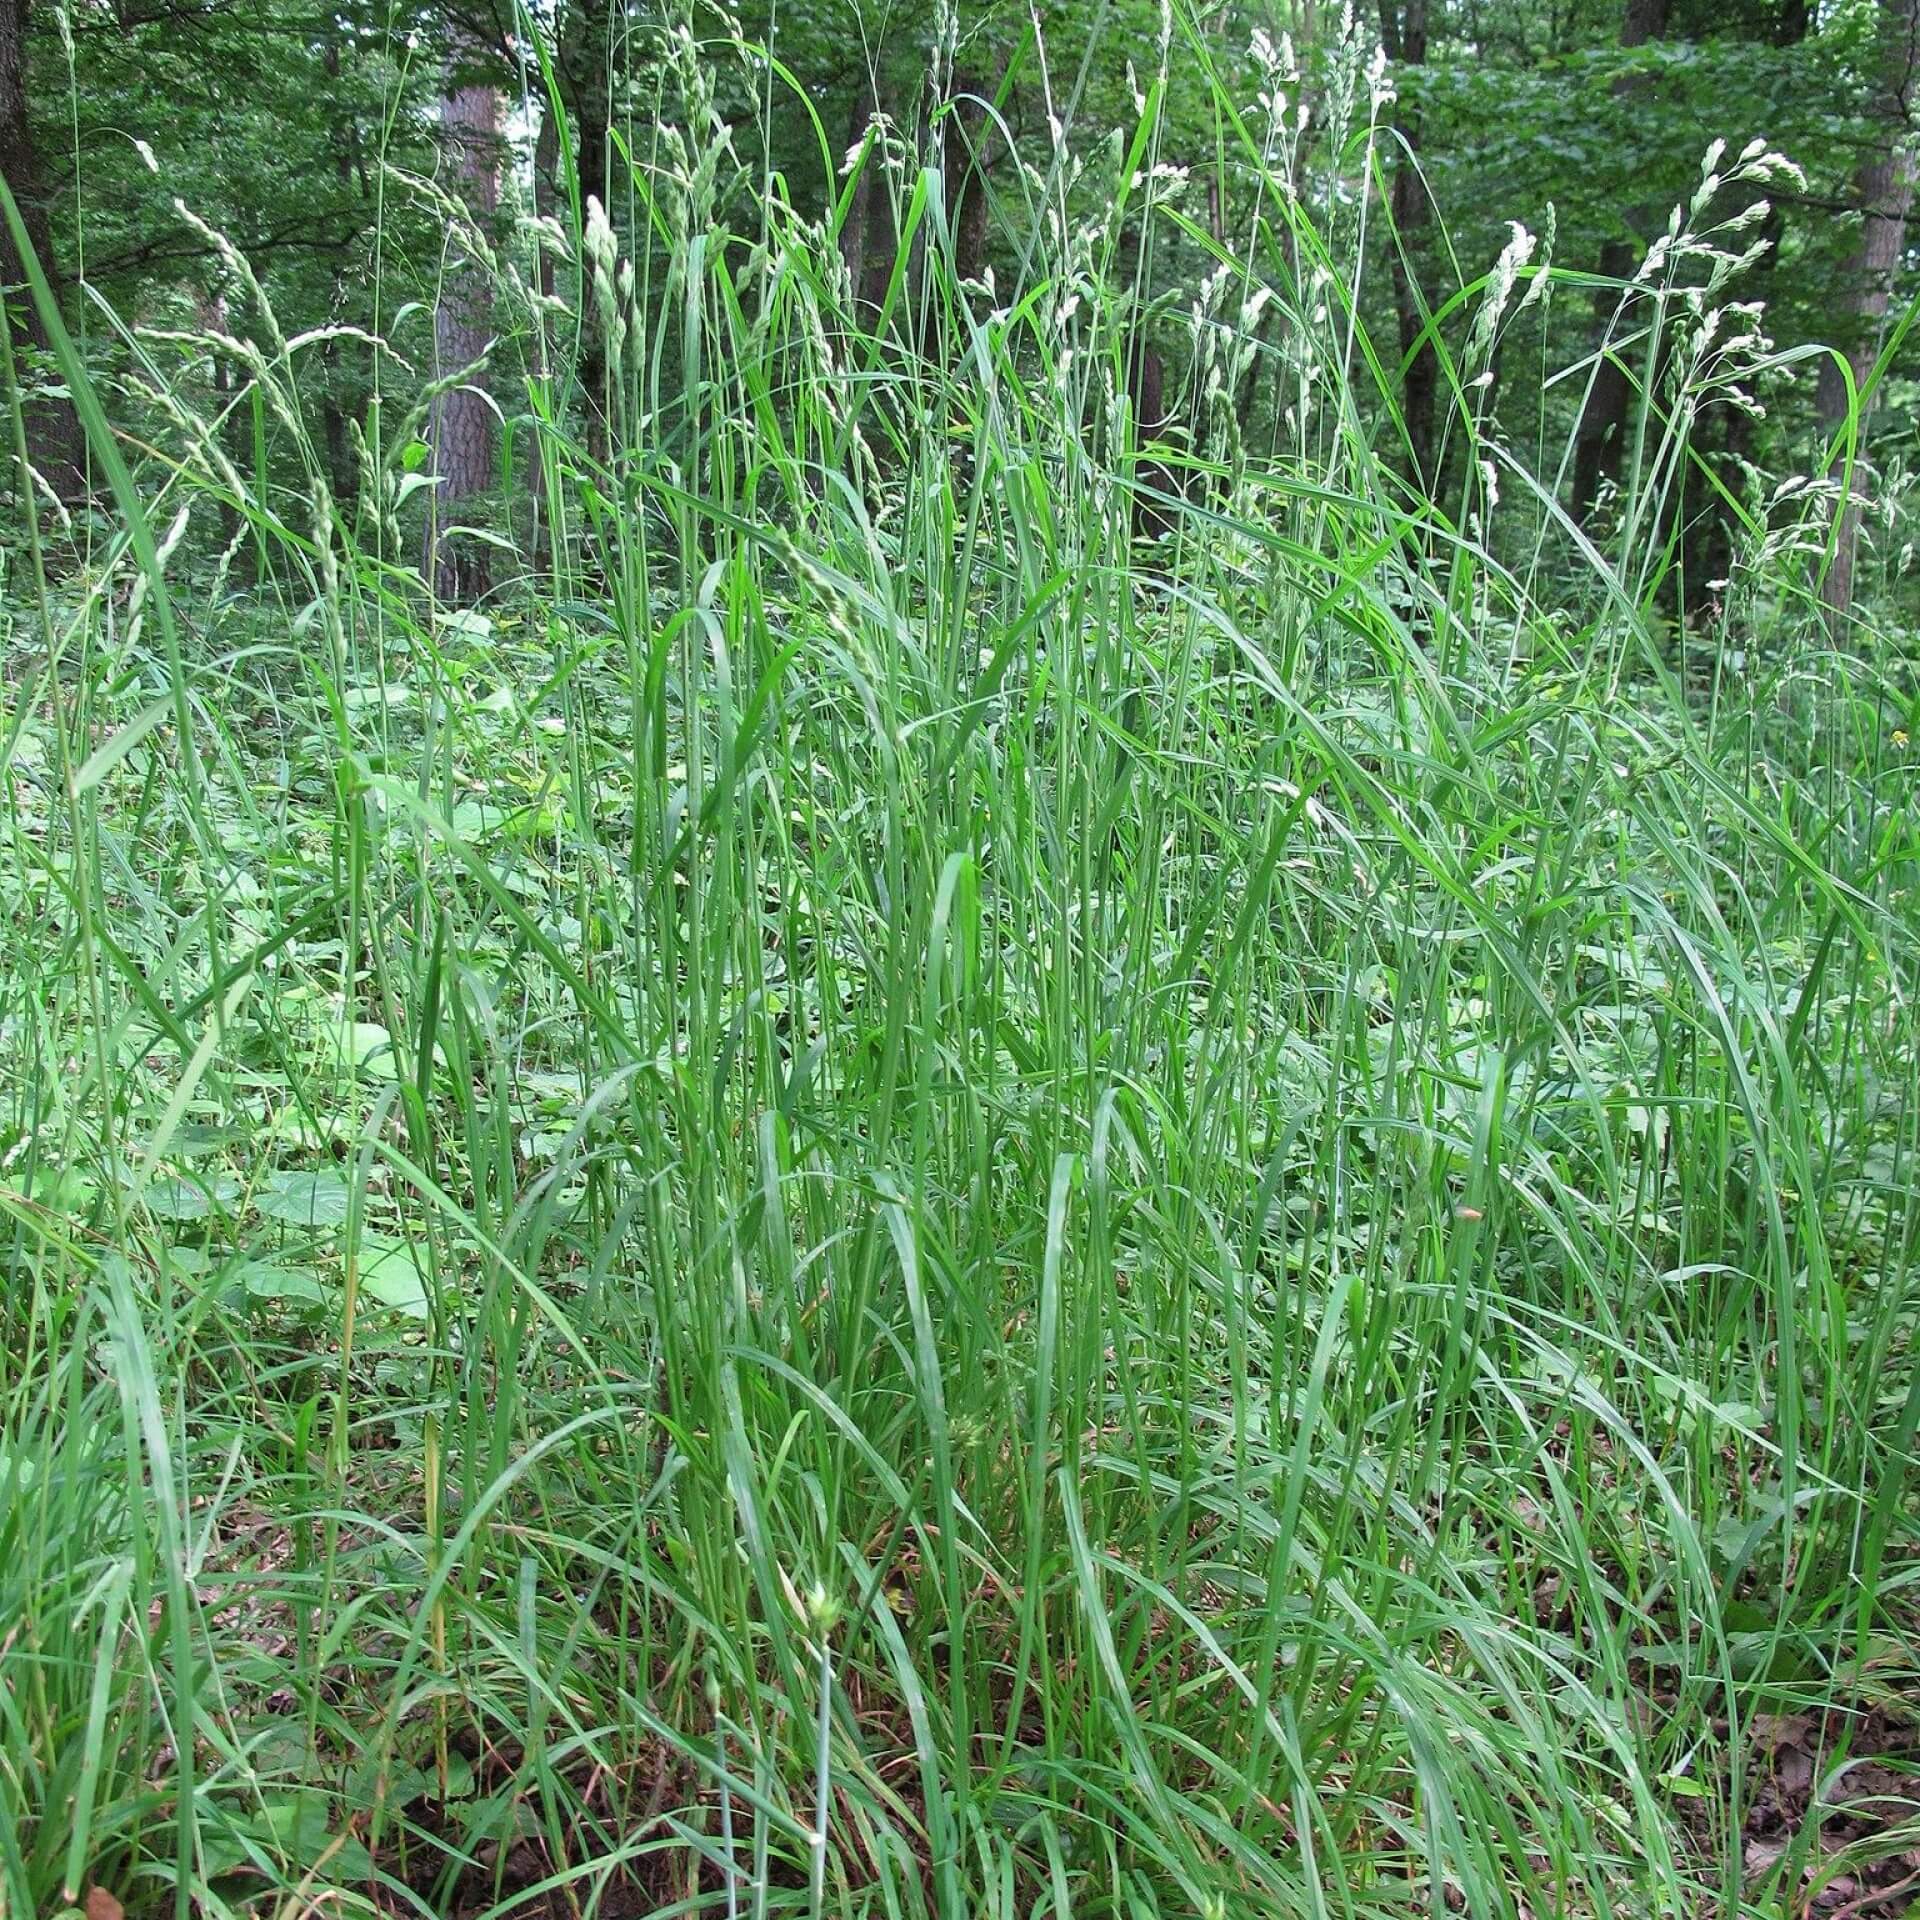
(958, 966)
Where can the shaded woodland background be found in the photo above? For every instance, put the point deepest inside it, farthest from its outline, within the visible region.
(142, 140)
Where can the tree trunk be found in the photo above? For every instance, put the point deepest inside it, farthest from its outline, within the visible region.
(853, 230)
(210, 310)
(1722, 440)
(586, 65)
(53, 429)
(963, 163)
(460, 423)
(1884, 188)
(1403, 30)
(1602, 432)
(1710, 546)
(546, 206)
(546, 203)
(1154, 481)
(591, 167)
(882, 243)
(342, 470)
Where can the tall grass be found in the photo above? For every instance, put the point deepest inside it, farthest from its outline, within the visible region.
(878, 1201)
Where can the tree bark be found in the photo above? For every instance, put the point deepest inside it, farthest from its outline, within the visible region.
(1710, 544)
(882, 232)
(853, 230)
(590, 166)
(1154, 480)
(1722, 440)
(342, 472)
(1601, 434)
(585, 62)
(210, 310)
(1403, 32)
(53, 429)
(964, 166)
(1884, 189)
(546, 206)
(460, 423)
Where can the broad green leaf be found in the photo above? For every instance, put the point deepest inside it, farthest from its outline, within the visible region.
(391, 1273)
(282, 1284)
(305, 1199)
(172, 1198)
(365, 1045)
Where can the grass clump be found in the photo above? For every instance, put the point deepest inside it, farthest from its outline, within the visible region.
(885, 1197)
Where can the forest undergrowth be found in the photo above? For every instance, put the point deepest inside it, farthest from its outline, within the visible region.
(970, 1164)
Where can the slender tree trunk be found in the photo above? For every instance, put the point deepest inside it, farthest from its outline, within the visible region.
(1601, 435)
(1793, 22)
(595, 142)
(1722, 439)
(333, 421)
(883, 245)
(853, 231)
(546, 201)
(1403, 29)
(963, 161)
(1725, 439)
(1153, 478)
(342, 475)
(210, 309)
(586, 67)
(546, 204)
(53, 429)
(460, 426)
(1884, 188)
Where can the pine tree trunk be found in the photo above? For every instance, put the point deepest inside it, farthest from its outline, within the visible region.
(1884, 188)
(460, 425)
(53, 429)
